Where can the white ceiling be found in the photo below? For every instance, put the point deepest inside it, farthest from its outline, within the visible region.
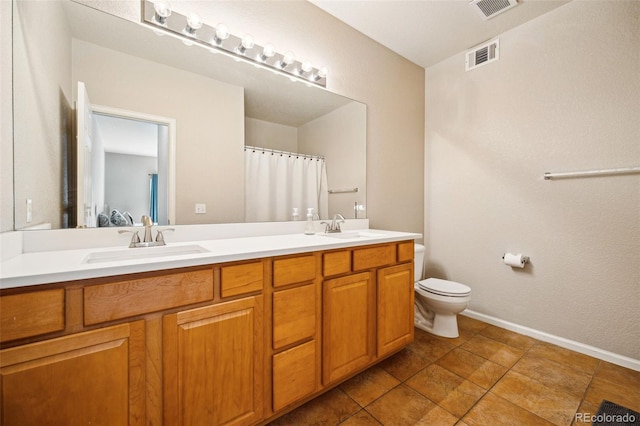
(125, 136)
(429, 31)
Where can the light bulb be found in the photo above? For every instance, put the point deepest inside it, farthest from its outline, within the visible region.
(194, 23)
(267, 51)
(287, 59)
(222, 33)
(322, 72)
(306, 66)
(246, 43)
(163, 11)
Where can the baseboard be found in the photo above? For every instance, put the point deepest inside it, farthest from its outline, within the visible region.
(611, 357)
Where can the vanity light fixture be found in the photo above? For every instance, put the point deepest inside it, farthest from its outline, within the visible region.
(192, 30)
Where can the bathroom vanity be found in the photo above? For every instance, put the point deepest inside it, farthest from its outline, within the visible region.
(209, 338)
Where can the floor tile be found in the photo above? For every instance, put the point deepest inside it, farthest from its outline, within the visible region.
(361, 418)
(328, 409)
(404, 364)
(369, 385)
(494, 351)
(619, 375)
(403, 406)
(470, 324)
(473, 367)
(495, 411)
(554, 374)
(507, 337)
(429, 346)
(448, 390)
(600, 389)
(564, 356)
(553, 405)
(585, 411)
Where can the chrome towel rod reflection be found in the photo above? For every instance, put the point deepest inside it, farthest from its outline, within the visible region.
(587, 173)
(290, 154)
(342, 191)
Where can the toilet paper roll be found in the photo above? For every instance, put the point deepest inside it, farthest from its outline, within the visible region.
(514, 260)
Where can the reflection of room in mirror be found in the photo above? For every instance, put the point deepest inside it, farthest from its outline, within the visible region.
(131, 68)
(126, 177)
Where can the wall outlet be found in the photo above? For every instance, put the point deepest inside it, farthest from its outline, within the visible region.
(201, 208)
(29, 210)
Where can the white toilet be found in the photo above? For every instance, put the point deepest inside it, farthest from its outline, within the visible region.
(438, 302)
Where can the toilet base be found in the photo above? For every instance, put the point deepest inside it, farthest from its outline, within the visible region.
(436, 324)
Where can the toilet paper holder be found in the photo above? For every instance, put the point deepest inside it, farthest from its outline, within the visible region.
(515, 260)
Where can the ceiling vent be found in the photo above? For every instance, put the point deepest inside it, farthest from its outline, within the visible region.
(490, 8)
(483, 54)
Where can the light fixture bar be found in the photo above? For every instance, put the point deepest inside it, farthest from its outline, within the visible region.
(205, 35)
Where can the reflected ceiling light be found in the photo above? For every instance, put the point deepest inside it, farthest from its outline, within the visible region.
(192, 30)
(162, 10)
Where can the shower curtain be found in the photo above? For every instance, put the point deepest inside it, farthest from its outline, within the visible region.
(277, 183)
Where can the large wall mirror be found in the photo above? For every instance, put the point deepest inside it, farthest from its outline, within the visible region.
(201, 125)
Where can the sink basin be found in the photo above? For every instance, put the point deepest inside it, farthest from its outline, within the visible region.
(352, 235)
(142, 253)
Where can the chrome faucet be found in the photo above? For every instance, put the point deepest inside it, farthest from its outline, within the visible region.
(334, 226)
(148, 224)
(148, 238)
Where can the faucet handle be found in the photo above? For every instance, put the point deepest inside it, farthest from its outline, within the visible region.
(327, 226)
(135, 238)
(160, 235)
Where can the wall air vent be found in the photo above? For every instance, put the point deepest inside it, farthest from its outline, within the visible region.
(490, 8)
(483, 54)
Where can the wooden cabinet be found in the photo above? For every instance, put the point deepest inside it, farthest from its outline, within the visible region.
(237, 343)
(213, 364)
(348, 324)
(95, 377)
(395, 308)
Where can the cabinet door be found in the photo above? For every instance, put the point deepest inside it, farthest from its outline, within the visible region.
(213, 364)
(395, 307)
(347, 325)
(96, 378)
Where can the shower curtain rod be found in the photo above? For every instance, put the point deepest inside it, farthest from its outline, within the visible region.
(620, 171)
(290, 154)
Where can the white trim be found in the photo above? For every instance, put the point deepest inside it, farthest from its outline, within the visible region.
(171, 123)
(622, 360)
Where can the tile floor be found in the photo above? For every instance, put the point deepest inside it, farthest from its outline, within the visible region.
(487, 376)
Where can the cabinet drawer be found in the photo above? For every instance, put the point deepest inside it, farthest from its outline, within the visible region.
(31, 314)
(373, 257)
(124, 299)
(335, 263)
(294, 270)
(241, 279)
(294, 315)
(294, 374)
(405, 251)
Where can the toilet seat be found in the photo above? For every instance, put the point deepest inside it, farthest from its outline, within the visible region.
(444, 287)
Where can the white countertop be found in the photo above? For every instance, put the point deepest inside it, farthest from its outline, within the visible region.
(66, 265)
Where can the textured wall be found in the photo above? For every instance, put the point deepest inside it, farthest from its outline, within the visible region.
(564, 96)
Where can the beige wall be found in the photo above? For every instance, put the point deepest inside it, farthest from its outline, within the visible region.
(209, 119)
(43, 60)
(563, 97)
(265, 134)
(6, 120)
(340, 138)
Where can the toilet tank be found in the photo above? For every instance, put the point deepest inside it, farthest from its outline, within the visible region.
(418, 261)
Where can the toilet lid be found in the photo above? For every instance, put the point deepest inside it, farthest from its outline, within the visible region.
(444, 287)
